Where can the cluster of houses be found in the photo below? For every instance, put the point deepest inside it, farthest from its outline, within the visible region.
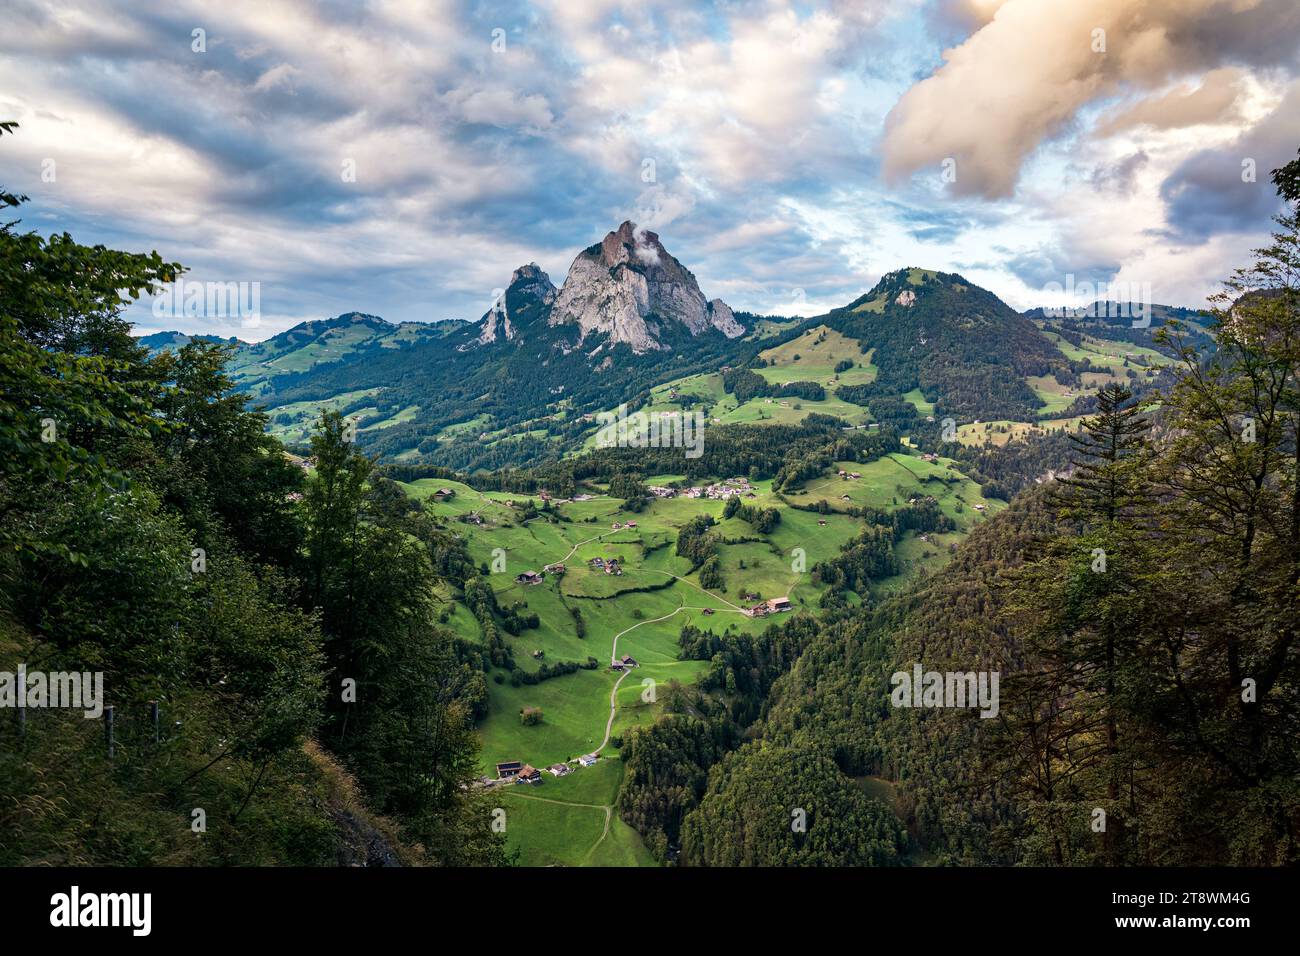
(730, 488)
(721, 491)
(537, 577)
(848, 475)
(773, 606)
(609, 567)
(626, 662)
(929, 456)
(545, 495)
(618, 526)
(517, 771)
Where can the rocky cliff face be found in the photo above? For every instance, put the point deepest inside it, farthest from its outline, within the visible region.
(529, 292)
(724, 320)
(615, 286)
(496, 323)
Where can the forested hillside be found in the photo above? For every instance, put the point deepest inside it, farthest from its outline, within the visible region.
(964, 348)
(1141, 613)
(366, 649)
(275, 690)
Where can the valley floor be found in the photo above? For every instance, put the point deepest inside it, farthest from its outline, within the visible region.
(572, 820)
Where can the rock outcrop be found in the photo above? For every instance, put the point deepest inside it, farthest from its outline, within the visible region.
(724, 320)
(614, 287)
(529, 293)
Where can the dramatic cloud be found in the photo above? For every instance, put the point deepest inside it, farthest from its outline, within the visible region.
(1228, 189)
(403, 157)
(1215, 100)
(1025, 74)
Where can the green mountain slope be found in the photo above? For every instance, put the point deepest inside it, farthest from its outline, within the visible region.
(963, 348)
(780, 536)
(514, 389)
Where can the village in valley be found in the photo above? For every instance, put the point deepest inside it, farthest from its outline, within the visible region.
(599, 596)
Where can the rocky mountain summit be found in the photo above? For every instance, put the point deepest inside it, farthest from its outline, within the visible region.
(618, 286)
(529, 292)
(625, 288)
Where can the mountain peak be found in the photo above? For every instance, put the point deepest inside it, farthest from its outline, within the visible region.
(630, 243)
(916, 277)
(905, 287)
(531, 272)
(529, 293)
(614, 286)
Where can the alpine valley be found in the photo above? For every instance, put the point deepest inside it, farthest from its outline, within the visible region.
(617, 604)
(610, 567)
(630, 326)
(402, 602)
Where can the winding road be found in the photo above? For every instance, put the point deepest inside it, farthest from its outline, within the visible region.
(609, 812)
(575, 548)
(613, 694)
(613, 654)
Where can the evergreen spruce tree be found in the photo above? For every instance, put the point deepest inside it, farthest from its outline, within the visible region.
(1108, 455)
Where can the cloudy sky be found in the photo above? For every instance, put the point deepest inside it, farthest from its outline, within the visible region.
(402, 157)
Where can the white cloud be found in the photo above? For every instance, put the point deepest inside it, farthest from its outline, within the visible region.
(1025, 74)
(501, 107)
(763, 121)
(277, 76)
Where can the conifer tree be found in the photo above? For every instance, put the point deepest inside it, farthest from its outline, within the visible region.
(1106, 481)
